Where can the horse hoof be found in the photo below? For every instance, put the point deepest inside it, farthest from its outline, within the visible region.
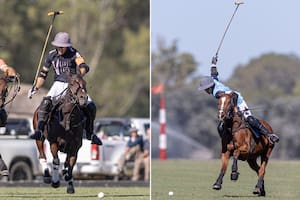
(256, 191)
(234, 176)
(262, 193)
(217, 186)
(259, 192)
(70, 188)
(56, 184)
(47, 177)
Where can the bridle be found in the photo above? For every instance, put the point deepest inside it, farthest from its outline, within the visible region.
(75, 96)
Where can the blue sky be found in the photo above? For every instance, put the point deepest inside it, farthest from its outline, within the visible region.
(259, 27)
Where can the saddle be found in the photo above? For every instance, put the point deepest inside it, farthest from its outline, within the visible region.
(61, 111)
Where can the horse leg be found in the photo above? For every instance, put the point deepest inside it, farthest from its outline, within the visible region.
(43, 161)
(260, 186)
(234, 169)
(68, 173)
(253, 165)
(55, 176)
(219, 181)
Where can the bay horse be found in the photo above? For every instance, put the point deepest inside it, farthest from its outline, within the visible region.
(242, 143)
(64, 131)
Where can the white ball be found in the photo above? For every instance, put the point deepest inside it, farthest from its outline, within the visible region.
(100, 195)
(171, 193)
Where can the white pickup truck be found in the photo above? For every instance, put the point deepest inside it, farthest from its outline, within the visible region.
(18, 151)
(103, 160)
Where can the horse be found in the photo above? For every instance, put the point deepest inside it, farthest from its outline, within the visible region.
(240, 141)
(9, 88)
(64, 131)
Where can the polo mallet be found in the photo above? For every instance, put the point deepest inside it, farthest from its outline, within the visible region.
(238, 3)
(53, 14)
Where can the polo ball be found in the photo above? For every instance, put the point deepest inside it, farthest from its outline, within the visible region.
(100, 195)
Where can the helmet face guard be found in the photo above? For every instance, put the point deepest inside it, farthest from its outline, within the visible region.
(205, 83)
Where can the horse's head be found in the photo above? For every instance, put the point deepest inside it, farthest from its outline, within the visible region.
(77, 89)
(226, 104)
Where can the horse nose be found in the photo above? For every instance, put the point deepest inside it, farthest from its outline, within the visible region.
(83, 100)
(221, 116)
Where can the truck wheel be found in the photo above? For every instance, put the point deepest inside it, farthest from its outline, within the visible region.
(20, 171)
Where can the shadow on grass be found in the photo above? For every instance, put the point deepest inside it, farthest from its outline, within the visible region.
(36, 196)
(239, 196)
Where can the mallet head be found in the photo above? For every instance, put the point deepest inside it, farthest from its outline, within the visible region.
(238, 2)
(55, 13)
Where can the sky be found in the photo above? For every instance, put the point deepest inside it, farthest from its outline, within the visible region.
(258, 27)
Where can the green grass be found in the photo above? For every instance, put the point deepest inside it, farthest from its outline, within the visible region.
(190, 179)
(85, 193)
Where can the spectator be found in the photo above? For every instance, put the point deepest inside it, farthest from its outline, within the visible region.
(132, 151)
(143, 160)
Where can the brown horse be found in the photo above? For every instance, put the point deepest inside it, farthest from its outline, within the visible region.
(64, 130)
(239, 141)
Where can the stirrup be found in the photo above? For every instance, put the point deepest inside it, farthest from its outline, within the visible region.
(95, 140)
(274, 138)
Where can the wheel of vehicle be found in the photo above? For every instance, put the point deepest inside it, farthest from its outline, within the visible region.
(20, 171)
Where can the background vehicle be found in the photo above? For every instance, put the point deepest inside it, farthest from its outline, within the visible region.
(103, 160)
(18, 151)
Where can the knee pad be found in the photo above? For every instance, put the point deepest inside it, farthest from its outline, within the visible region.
(46, 104)
(252, 121)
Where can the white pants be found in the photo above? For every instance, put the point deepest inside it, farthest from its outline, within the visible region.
(243, 107)
(59, 89)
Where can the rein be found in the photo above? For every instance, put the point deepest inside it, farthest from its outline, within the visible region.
(241, 125)
(15, 88)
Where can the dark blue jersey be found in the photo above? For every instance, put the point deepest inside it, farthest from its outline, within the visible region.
(63, 64)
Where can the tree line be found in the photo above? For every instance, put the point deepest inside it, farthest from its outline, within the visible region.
(112, 36)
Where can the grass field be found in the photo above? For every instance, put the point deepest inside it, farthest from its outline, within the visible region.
(190, 179)
(85, 193)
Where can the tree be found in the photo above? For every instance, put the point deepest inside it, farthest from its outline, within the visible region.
(111, 35)
(171, 67)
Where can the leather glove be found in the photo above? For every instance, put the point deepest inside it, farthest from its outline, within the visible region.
(214, 71)
(31, 92)
(214, 60)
